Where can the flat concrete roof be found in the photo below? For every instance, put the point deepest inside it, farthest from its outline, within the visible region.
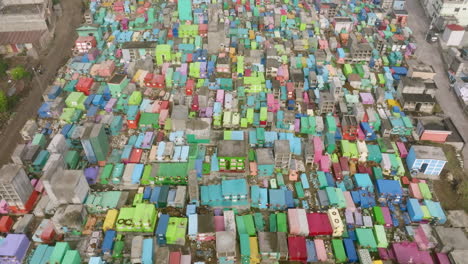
(419, 98)
(139, 45)
(206, 224)
(429, 152)
(419, 66)
(282, 147)
(268, 242)
(225, 242)
(232, 148)
(412, 82)
(117, 78)
(265, 156)
(21, 9)
(433, 123)
(441, 124)
(455, 136)
(459, 256)
(454, 238)
(9, 172)
(457, 218)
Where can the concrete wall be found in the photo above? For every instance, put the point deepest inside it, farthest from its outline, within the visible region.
(453, 38)
(387, 4)
(347, 26)
(45, 39)
(22, 187)
(420, 74)
(28, 19)
(30, 22)
(22, 2)
(448, 9)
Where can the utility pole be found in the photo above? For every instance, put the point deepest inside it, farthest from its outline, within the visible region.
(38, 79)
(425, 38)
(430, 27)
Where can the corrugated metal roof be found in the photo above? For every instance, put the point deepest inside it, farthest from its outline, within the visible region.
(455, 27)
(21, 37)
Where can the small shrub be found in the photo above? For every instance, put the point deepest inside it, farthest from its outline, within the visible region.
(19, 73)
(3, 102)
(3, 67)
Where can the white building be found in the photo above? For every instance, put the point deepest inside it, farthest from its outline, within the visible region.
(66, 186)
(399, 5)
(456, 8)
(15, 187)
(453, 34)
(387, 5)
(461, 89)
(343, 24)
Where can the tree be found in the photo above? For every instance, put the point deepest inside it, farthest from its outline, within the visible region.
(18, 73)
(3, 102)
(3, 67)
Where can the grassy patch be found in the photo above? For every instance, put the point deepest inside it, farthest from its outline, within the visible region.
(453, 165)
(452, 193)
(447, 196)
(11, 102)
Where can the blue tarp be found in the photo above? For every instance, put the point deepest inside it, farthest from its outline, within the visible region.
(389, 188)
(363, 198)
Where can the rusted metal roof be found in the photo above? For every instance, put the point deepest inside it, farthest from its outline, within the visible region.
(455, 27)
(20, 37)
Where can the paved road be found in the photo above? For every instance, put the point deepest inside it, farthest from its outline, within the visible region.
(430, 54)
(58, 53)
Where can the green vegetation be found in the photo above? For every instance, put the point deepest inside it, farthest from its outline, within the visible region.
(438, 109)
(7, 103)
(12, 101)
(463, 191)
(452, 193)
(3, 102)
(19, 73)
(452, 188)
(3, 67)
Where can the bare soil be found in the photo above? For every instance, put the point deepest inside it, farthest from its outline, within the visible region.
(450, 190)
(56, 55)
(449, 197)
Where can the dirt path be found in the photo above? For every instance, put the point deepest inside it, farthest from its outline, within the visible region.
(58, 53)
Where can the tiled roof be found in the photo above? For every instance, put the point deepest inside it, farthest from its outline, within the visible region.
(21, 37)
